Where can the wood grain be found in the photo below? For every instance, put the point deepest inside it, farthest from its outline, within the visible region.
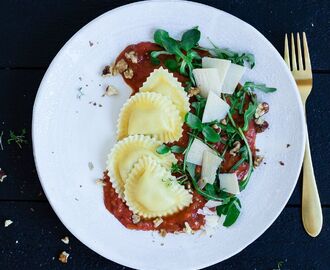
(39, 236)
(32, 32)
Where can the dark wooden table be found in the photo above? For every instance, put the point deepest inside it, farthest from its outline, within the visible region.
(32, 32)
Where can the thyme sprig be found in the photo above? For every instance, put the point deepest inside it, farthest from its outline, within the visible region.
(18, 139)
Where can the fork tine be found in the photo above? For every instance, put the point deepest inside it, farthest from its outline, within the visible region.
(306, 53)
(293, 53)
(300, 59)
(286, 51)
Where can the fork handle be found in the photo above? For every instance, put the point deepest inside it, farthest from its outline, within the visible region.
(311, 207)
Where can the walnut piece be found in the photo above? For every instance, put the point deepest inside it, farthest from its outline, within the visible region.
(261, 109)
(261, 127)
(121, 66)
(2, 175)
(223, 121)
(257, 161)
(128, 74)
(237, 146)
(63, 257)
(8, 222)
(111, 91)
(157, 222)
(193, 91)
(109, 70)
(136, 219)
(65, 240)
(162, 233)
(132, 55)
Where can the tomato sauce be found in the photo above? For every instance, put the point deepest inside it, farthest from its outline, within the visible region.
(173, 223)
(176, 222)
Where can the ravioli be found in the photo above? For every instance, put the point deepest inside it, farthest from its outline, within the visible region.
(150, 114)
(163, 82)
(151, 191)
(126, 152)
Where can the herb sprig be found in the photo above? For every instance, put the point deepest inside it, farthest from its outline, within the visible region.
(18, 139)
(186, 58)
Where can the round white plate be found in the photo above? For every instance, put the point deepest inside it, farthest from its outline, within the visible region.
(69, 132)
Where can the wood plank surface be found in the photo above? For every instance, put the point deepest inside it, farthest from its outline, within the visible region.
(32, 32)
(39, 236)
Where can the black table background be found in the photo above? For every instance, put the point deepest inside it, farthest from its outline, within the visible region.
(32, 32)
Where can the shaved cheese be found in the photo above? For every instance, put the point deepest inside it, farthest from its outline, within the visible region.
(195, 152)
(207, 79)
(229, 182)
(221, 65)
(210, 165)
(233, 76)
(212, 204)
(215, 109)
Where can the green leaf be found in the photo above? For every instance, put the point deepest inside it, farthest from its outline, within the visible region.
(171, 64)
(177, 149)
(210, 134)
(154, 56)
(248, 115)
(155, 61)
(193, 121)
(160, 35)
(261, 87)
(172, 46)
(163, 149)
(234, 57)
(190, 39)
(210, 189)
(232, 214)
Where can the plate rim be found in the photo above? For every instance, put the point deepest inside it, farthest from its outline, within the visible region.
(107, 13)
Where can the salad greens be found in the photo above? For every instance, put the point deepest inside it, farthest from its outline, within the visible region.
(187, 53)
(228, 132)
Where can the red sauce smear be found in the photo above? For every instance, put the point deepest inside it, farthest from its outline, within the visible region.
(173, 223)
(176, 222)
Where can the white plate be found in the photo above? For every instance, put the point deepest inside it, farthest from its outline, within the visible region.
(68, 133)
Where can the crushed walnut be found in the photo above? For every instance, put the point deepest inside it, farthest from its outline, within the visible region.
(187, 229)
(257, 161)
(100, 182)
(128, 74)
(261, 127)
(8, 222)
(111, 91)
(157, 222)
(162, 233)
(2, 175)
(136, 219)
(259, 121)
(237, 146)
(132, 55)
(193, 91)
(63, 257)
(224, 122)
(261, 109)
(121, 66)
(65, 240)
(109, 70)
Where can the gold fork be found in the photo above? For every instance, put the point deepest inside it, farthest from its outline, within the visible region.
(311, 207)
